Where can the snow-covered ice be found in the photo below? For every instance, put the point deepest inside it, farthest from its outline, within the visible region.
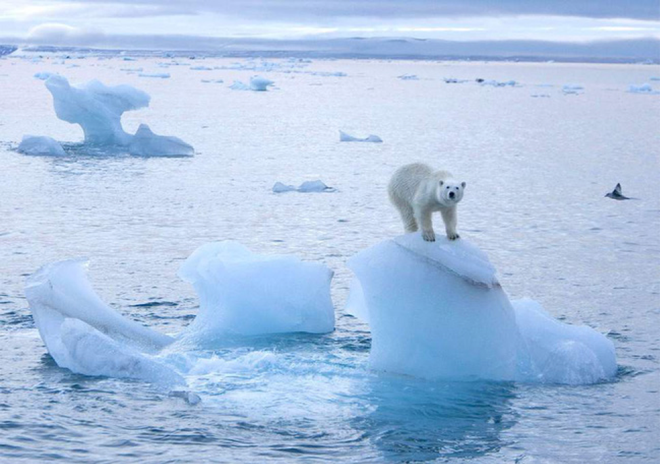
(344, 137)
(436, 311)
(40, 146)
(146, 143)
(43, 75)
(244, 293)
(97, 108)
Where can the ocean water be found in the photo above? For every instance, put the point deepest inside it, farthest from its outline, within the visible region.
(536, 168)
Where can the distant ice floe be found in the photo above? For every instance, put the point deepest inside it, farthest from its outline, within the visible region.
(306, 187)
(344, 137)
(43, 75)
(257, 84)
(644, 89)
(241, 294)
(200, 68)
(437, 311)
(572, 89)
(146, 143)
(40, 146)
(495, 83)
(155, 75)
(540, 95)
(98, 108)
(408, 77)
(212, 81)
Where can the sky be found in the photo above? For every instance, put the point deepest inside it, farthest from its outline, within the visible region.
(99, 23)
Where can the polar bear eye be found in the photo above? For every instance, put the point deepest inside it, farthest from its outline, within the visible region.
(448, 187)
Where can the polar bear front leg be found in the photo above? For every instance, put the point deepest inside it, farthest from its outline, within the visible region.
(423, 217)
(451, 222)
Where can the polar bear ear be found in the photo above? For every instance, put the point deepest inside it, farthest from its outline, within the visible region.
(463, 184)
(442, 182)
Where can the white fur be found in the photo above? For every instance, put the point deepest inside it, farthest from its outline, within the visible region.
(417, 192)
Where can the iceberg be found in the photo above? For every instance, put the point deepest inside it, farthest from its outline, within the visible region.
(40, 146)
(244, 293)
(96, 107)
(279, 187)
(146, 143)
(437, 311)
(85, 335)
(43, 75)
(344, 137)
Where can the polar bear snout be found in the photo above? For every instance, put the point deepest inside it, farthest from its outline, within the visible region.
(452, 195)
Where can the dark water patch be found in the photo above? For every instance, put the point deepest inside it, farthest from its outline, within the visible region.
(153, 303)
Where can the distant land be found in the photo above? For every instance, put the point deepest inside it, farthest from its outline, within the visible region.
(615, 51)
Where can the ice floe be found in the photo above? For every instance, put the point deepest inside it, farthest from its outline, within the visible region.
(344, 137)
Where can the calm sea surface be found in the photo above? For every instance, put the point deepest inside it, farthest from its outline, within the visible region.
(537, 164)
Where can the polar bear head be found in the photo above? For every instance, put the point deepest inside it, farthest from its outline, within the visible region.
(449, 192)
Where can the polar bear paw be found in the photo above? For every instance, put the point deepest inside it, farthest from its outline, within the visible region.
(453, 236)
(428, 235)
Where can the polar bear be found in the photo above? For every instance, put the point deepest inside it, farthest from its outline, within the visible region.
(417, 191)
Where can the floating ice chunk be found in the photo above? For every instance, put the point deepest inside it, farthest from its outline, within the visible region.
(644, 88)
(243, 293)
(305, 187)
(279, 187)
(540, 95)
(554, 352)
(40, 146)
(344, 137)
(96, 107)
(146, 143)
(314, 186)
(572, 89)
(238, 85)
(260, 84)
(84, 334)
(453, 80)
(408, 77)
(248, 363)
(214, 81)
(43, 75)
(200, 68)
(436, 311)
(155, 75)
(654, 78)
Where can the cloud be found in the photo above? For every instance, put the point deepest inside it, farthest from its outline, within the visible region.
(328, 10)
(62, 34)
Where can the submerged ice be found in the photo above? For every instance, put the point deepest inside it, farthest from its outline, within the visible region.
(146, 143)
(41, 146)
(437, 311)
(344, 137)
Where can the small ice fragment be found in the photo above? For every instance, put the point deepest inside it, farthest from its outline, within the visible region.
(344, 137)
(279, 187)
(146, 143)
(40, 146)
(260, 84)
